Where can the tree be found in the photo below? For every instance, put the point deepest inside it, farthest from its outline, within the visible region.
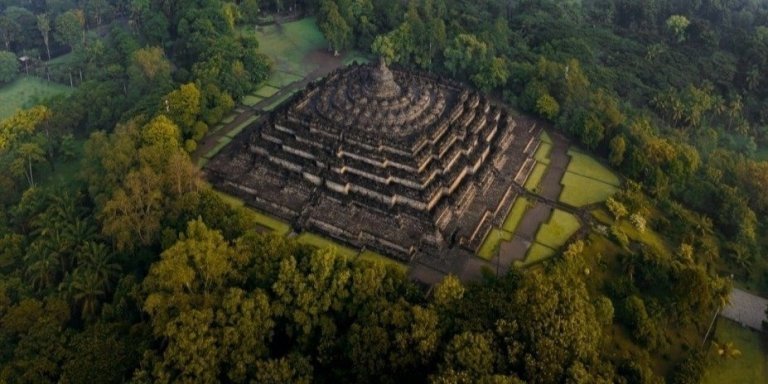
(250, 10)
(70, 28)
(44, 26)
(9, 66)
(149, 66)
(464, 54)
(618, 147)
(132, 216)
(334, 27)
(677, 24)
(9, 30)
(493, 73)
(183, 106)
(547, 107)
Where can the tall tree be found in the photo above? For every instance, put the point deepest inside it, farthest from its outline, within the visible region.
(44, 25)
(334, 27)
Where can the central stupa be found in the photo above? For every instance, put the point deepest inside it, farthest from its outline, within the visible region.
(403, 163)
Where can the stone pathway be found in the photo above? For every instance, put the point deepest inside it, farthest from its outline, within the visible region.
(746, 309)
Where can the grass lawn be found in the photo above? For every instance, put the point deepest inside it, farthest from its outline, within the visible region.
(545, 137)
(585, 165)
(542, 153)
(288, 44)
(275, 103)
(266, 91)
(251, 100)
(555, 232)
(320, 242)
(231, 134)
(26, 92)
(373, 257)
(749, 368)
(535, 177)
(281, 79)
(580, 190)
(491, 243)
(242, 125)
(515, 214)
(536, 253)
(261, 219)
(229, 118)
(223, 141)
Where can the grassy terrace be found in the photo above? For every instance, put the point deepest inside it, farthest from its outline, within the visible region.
(555, 232)
(587, 181)
(318, 241)
(535, 177)
(491, 243)
(265, 221)
(25, 92)
(373, 257)
(551, 236)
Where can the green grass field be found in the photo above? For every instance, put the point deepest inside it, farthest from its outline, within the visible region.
(542, 153)
(545, 137)
(318, 241)
(536, 253)
(261, 219)
(26, 92)
(281, 79)
(373, 257)
(491, 243)
(749, 368)
(232, 133)
(288, 44)
(515, 214)
(535, 177)
(266, 91)
(251, 100)
(579, 190)
(585, 165)
(277, 101)
(555, 232)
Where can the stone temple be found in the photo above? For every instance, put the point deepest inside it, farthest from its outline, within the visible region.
(406, 164)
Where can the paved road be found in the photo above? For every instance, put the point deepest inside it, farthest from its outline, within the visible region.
(746, 309)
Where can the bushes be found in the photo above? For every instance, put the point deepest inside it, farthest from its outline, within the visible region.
(644, 329)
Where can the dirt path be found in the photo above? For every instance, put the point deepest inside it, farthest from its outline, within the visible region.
(326, 63)
(746, 309)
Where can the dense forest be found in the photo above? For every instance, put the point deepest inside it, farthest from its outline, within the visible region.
(135, 270)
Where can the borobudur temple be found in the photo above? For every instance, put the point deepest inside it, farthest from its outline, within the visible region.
(403, 163)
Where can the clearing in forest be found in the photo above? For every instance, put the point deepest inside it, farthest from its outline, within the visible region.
(26, 92)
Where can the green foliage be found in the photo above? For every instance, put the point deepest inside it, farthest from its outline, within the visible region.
(9, 66)
(547, 106)
(678, 24)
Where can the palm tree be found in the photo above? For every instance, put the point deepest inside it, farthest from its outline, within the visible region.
(726, 350)
(96, 258)
(42, 266)
(84, 289)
